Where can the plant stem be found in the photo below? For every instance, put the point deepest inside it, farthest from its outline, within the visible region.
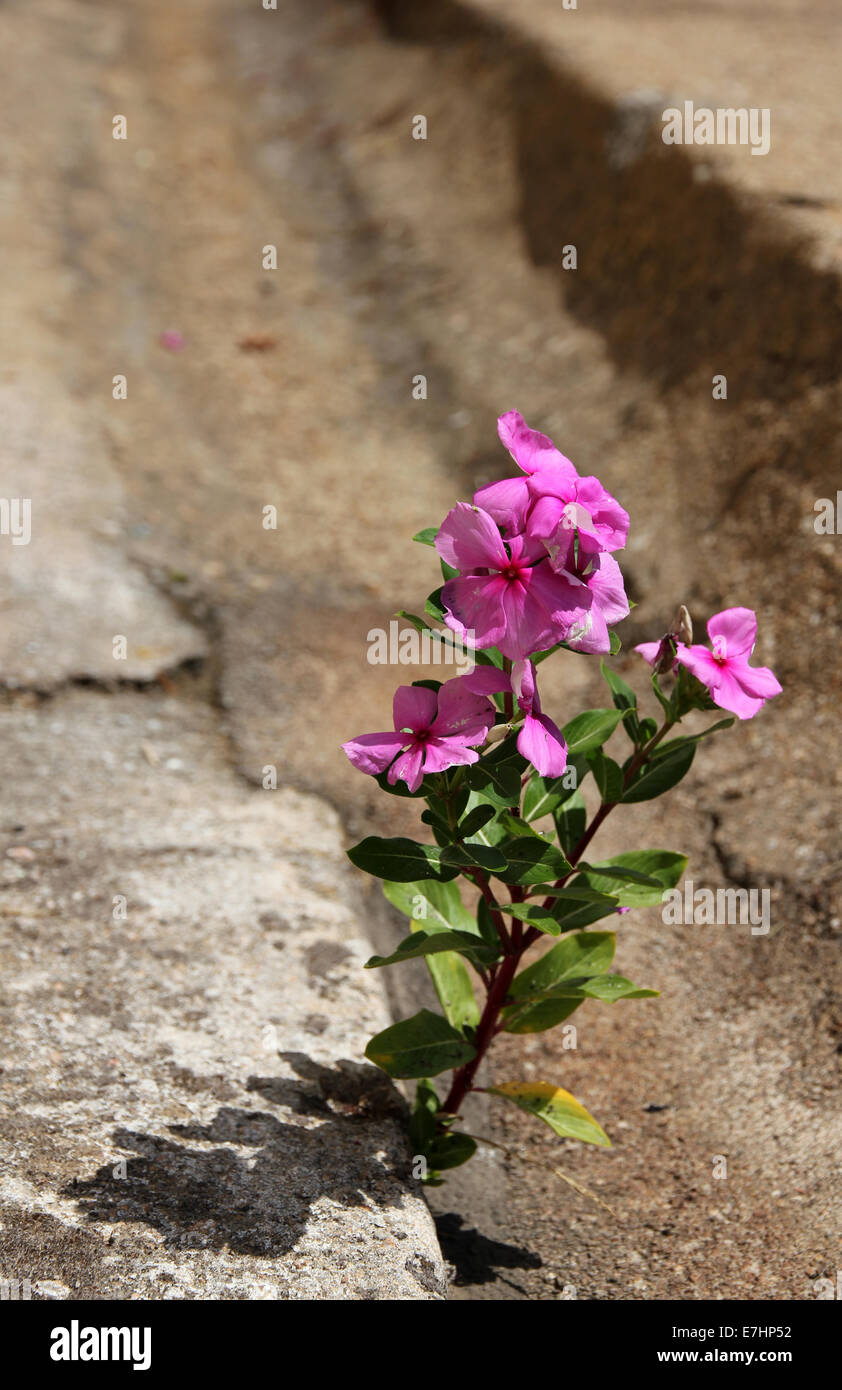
(480, 878)
(521, 940)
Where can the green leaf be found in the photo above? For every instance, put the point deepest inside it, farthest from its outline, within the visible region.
(689, 693)
(625, 699)
(609, 988)
(422, 1121)
(457, 800)
(608, 776)
(400, 860)
(492, 832)
(535, 915)
(443, 911)
(574, 892)
(574, 916)
(663, 865)
(570, 821)
(436, 820)
(585, 954)
(474, 821)
(615, 644)
(489, 656)
(623, 695)
(427, 536)
(672, 745)
(544, 794)
(657, 777)
(485, 857)
(516, 827)
(420, 624)
(540, 1016)
(662, 699)
(623, 873)
(498, 781)
(423, 1045)
(532, 860)
(431, 905)
(452, 984)
(450, 1150)
(557, 1108)
(422, 943)
(434, 606)
(590, 729)
(486, 923)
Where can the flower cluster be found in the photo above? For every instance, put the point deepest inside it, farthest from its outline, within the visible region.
(534, 555)
(531, 567)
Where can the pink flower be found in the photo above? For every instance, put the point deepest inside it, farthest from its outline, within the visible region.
(601, 579)
(171, 339)
(508, 598)
(433, 730)
(660, 655)
(539, 740)
(552, 502)
(733, 684)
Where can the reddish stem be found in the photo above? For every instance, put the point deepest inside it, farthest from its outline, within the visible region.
(521, 940)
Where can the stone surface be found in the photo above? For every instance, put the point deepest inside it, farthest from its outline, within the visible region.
(76, 607)
(185, 1108)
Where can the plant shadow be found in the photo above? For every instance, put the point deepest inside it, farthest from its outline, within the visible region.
(247, 1180)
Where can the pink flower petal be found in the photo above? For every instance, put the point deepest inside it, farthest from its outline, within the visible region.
(605, 582)
(541, 743)
(729, 694)
(757, 681)
(524, 687)
(474, 603)
(650, 651)
(545, 517)
(528, 625)
(462, 711)
(739, 628)
(486, 680)
(442, 753)
(701, 663)
(372, 753)
(468, 539)
(565, 599)
(408, 767)
(413, 707)
(507, 502)
(610, 520)
(530, 449)
(591, 635)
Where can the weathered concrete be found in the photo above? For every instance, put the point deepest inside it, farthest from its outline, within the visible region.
(185, 1109)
